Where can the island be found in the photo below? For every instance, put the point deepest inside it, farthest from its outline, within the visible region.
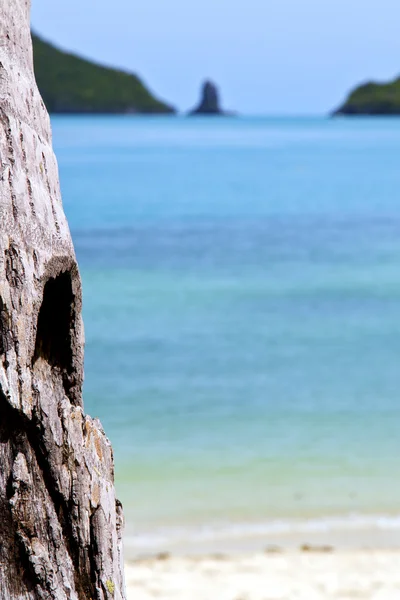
(209, 101)
(372, 99)
(71, 84)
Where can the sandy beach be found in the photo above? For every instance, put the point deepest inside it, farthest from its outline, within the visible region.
(311, 573)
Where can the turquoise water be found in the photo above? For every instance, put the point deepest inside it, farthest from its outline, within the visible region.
(241, 286)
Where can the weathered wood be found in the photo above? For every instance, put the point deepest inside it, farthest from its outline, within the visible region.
(60, 524)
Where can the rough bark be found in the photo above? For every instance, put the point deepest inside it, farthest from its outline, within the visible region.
(60, 524)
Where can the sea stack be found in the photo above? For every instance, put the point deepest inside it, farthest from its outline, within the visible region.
(209, 101)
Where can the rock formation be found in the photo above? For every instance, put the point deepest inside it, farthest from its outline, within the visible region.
(209, 101)
(60, 524)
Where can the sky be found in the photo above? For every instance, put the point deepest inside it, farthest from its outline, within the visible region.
(266, 56)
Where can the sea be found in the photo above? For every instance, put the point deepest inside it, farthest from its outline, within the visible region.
(241, 285)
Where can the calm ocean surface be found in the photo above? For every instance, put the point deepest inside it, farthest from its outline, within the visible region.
(241, 286)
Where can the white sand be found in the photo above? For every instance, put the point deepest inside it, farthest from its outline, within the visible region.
(286, 575)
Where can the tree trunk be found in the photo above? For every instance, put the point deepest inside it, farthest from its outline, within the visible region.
(60, 524)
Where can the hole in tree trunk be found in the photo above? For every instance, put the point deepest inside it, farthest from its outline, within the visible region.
(55, 321)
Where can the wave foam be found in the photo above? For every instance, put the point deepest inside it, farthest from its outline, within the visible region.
(185, 535)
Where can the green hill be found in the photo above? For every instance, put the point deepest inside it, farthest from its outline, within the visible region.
(373, 99)
(70, 84)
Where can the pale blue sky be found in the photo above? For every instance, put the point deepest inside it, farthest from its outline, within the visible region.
(267, 56)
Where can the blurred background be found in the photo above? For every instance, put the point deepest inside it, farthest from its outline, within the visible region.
(241, 269)
(275, 57)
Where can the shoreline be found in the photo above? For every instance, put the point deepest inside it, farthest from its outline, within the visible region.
(310, 563)
(356, 532)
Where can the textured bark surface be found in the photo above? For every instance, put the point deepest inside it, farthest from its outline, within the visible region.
(60, 524)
